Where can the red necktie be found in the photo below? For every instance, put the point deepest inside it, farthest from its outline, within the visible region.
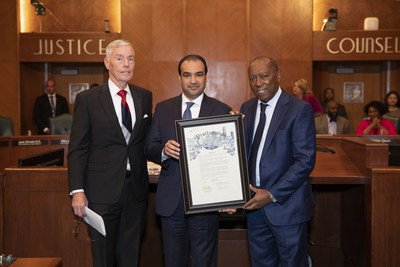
(126, 113)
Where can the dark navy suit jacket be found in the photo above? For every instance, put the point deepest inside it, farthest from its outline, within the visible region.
(169, 189)
(287, 159)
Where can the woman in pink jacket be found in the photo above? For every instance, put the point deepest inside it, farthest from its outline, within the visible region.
(375, 124)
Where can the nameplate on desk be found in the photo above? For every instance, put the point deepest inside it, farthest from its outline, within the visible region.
(29, 142)
(60, 142)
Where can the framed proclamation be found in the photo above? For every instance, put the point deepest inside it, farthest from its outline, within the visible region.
(213, 163)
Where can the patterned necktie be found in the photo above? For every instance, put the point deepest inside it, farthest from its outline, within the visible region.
(53, 108)
(256, 144)
(126, 113)
(187, 114)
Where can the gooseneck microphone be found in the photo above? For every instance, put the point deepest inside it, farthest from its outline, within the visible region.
(322, 148)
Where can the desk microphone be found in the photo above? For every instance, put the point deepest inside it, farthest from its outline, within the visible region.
(322, 148)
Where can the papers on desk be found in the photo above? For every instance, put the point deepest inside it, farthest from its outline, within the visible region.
(95, 220)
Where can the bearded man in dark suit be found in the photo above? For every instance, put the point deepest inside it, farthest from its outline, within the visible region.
(107, 168)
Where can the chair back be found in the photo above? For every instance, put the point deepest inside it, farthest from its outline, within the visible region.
(6, 126)
(61, 124)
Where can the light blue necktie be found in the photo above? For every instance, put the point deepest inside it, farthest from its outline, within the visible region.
(187, 114)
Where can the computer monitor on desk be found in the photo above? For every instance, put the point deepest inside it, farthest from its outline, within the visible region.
(50, 158)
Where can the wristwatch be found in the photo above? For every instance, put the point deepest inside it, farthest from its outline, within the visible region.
(271, 197)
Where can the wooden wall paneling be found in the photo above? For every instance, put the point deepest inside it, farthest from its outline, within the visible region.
(31, 232)
(385, 239)
(264, 32)
(295, 42)
(227, 81)
(9, 102)
(325, 227)
(158, 75)
(265, 22)
(216, 30)
(354, 225)
(281, 29)
(228, 70)
(395, 76)
(167, 46)
(136, 20)
(87, 73)
(151, 250)
(201, 29)
(32, 85)
(75, 15)
(351, 14)
(233, 248)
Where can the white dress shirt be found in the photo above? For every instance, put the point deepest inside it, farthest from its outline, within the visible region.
(269, 112)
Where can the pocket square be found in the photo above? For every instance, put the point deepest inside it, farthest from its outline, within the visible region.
(145, 116)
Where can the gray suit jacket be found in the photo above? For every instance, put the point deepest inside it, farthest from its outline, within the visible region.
(321, 125)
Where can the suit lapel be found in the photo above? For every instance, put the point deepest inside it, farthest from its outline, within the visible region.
(204, 108)
(250, 117)
(137, 101)
(279, 113)
(177, 112)
(106, 101)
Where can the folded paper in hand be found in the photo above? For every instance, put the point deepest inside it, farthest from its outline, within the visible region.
(95, 220)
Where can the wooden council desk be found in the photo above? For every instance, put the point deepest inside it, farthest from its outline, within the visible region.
(356, 219)
(37, 262)
(14, 147)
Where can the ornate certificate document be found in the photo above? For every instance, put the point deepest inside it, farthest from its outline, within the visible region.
(213, 163)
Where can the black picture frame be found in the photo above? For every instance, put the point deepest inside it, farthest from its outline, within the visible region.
(213, 163)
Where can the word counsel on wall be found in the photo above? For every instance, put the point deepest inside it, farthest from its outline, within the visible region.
(357, 45)
(64, 47)
(347, 45)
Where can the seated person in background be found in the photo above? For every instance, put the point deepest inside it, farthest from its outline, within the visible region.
(329, 94)
(331, 123)
(392, 103)
(49, 105)
(375, 125)
(302, 91)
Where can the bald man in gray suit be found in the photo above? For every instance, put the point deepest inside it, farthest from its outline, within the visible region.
(331, 122)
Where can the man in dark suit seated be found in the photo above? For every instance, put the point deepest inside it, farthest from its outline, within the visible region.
(330, 122)
(280, 138)
(49, 105)
(107, 169)
(183, 235)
